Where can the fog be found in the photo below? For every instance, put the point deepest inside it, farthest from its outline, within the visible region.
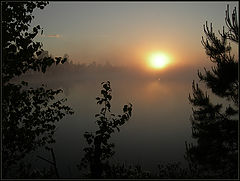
(156, 132)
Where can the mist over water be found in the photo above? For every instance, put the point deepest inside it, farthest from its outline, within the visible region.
(156, 132)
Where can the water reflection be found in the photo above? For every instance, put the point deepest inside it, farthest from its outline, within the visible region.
(155, 133)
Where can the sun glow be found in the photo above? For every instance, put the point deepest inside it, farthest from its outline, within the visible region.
(158, 60)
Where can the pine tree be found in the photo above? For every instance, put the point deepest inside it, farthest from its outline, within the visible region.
(215, 125)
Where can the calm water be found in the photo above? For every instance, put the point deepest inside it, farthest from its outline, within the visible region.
(156, 132)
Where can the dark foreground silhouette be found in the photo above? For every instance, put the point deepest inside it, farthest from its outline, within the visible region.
(30, 114)
(215, 125)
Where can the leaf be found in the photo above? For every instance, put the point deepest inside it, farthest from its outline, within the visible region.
(109, 97)
(12, 48)
(125, 108)
(58, 59)
(64, 60)
(108, 105)
(24, 83)
(38, 53)
(96, 115)
(103, 110)
(103, 92)
(100, 101)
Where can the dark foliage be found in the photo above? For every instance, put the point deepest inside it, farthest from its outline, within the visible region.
(215, 126)
(100, 149)
(26, 171)
(122, 171)
(20, 52)
(29, 114)
(173, 171)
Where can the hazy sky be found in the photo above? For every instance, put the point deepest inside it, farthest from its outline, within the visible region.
(127, 32)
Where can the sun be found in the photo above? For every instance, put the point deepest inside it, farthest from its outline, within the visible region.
(158, 60)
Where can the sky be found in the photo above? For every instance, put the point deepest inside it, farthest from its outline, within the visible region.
(126, 33)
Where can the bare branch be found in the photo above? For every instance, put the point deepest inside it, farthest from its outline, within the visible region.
(232, 24)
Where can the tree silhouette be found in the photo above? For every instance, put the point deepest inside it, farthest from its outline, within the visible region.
(29, 114)
(215, 125)
(100, 149)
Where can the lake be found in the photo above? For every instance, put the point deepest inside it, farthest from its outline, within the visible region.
(156, 132)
